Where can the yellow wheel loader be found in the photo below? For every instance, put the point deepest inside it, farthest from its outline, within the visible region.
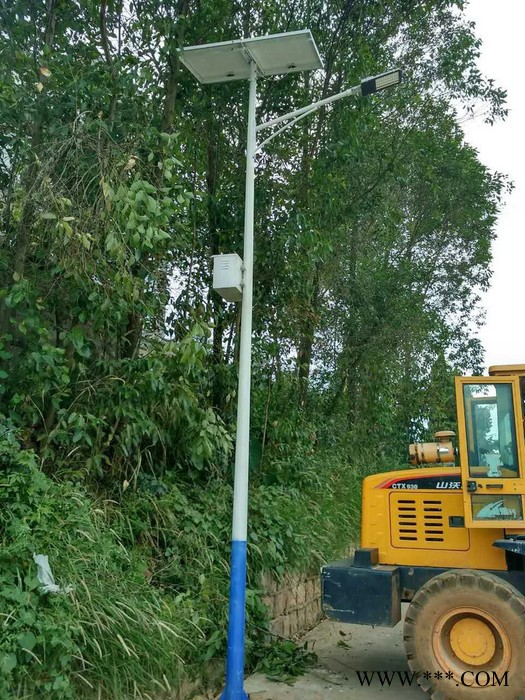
(450, 541)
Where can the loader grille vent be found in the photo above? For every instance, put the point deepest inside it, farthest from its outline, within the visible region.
(420, 522)
(407, 520)
(433, 521)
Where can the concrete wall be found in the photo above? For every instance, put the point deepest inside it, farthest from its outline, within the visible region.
(294, 603)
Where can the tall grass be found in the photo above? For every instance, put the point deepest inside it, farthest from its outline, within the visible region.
(115, 635)
(149, 574)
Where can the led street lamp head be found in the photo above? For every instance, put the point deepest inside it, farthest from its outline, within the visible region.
(382, 81)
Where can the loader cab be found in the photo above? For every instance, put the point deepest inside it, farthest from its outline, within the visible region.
(492, 447)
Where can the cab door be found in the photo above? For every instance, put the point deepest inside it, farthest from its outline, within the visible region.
(492, 451)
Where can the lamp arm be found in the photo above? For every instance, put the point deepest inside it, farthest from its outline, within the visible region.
(303, 111)
(261, 145)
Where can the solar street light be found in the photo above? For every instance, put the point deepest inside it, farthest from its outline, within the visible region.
(247, 59)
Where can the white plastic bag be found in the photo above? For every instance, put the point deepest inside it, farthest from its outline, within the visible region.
(45, 575)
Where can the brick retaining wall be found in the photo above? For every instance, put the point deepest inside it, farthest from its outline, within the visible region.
(294, 603)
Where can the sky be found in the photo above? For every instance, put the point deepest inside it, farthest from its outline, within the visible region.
(501, 147)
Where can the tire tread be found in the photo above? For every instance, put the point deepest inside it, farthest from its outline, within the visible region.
(488, 583)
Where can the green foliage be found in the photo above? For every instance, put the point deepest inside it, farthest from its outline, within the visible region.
(285, 661)
(378, 223)
(120, 176)
(149, 579)
(114, 633)
(186, 537)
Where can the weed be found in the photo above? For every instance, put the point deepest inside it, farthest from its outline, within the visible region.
(285, 661)
(149, 576)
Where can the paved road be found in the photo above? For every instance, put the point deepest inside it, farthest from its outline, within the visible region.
(342, 651)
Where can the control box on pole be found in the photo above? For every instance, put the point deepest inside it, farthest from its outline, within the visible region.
(227, 276)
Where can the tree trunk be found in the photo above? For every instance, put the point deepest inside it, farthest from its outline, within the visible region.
(310, 149)
(215, 248)
(306, 342)
(22, 236)
(22, 241)
(172, 80)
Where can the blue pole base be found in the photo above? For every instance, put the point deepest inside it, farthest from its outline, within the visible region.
(234, 695)
(234, 689)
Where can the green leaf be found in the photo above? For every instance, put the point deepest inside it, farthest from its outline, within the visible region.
(27, 641)
(8, 662)
(77, 436)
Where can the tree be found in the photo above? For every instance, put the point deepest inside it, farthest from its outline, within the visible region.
(119, 179)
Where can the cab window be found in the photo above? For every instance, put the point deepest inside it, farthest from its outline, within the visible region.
(522, 391)
(491, 431)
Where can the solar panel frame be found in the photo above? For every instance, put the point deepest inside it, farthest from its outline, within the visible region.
(273, 54)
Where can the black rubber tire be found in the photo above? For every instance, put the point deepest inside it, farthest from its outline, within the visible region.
(468, 588)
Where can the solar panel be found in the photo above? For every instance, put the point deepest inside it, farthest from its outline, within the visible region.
(273, 54)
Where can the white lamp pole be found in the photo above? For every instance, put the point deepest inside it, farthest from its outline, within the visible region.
(236, 621)
(245, 59)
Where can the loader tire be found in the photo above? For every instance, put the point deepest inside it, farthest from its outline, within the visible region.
(464, 635)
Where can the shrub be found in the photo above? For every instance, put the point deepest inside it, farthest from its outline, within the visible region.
(114, 633)
(149, 575)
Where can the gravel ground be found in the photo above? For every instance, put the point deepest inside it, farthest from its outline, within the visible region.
(343, 651)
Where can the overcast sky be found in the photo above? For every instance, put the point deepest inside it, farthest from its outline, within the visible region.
(502, 147)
